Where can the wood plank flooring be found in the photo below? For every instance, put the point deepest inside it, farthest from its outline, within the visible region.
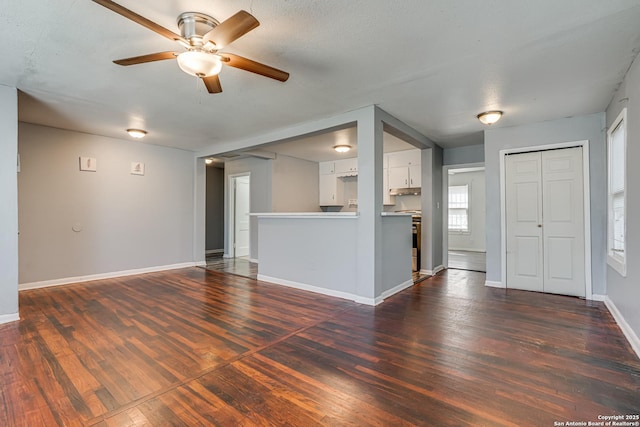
(239, 266)
(194, 347)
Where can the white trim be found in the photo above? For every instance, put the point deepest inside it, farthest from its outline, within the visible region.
(6, 318)
(586, 206)
(319, 290)
(200, 264)
(396, 289)
(253, 260)
(619, 265)
(111, 275)
(433, 272)
(597, 297)
(468, 250)
(227, 256)
(214, 251)
(492, 284)
(629, 333)
(445, 204)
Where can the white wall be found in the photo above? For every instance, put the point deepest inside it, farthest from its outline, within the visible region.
(591, 128)
(8, 204)
(475, 239)
(295, 185)
(127, 221)
(625, 291)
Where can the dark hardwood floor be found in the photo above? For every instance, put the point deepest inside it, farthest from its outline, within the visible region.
(239, 266)
(195, 347)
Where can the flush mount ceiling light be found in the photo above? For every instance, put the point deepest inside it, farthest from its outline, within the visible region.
(489, 117)
(136, 133)
(208, 161)
(342, 148)
(199, 63)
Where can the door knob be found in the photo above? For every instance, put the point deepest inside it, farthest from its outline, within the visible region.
(539, 225)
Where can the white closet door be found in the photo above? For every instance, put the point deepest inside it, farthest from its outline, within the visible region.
(545, 221)
(563, 222)
(524, 221)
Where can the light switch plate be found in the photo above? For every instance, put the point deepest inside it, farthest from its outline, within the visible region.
(89, 164)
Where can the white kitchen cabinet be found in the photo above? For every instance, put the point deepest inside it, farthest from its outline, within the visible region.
(404, 169)
(387, 199)
(404, 158)
(346, 167)
(331, 190)
(326, 168)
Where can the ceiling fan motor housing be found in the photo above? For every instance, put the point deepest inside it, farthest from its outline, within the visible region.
(194, 25)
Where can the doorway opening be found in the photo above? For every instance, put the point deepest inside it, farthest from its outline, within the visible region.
(240, 207)
(465, 217)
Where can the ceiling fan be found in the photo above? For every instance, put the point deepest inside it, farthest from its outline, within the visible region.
(203, 37)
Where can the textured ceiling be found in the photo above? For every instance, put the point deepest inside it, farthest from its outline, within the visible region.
(432, 64)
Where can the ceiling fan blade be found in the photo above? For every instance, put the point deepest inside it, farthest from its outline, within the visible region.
(121, 10)
(160, 56)
(254, 67)
(213, 84)
(231, 29)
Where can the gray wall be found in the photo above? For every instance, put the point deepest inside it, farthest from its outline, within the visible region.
(476, 238)
(295, 185)
(431, 196)
(215, 208)
(463, 155)
(127, 221)
(590, 127)
(8, 203)
(260, 199)
(625, 291)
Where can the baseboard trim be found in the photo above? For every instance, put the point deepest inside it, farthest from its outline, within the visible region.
(214, 251)
(480, 251)
(319, 290)
(433, 272)
(396, 289)
(80, 279)
(629, 333)
(492, 284)
(7, 318)
(253, 260)
(596, 297)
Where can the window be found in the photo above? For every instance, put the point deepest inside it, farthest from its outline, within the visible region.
(616, 234)
(459, 208)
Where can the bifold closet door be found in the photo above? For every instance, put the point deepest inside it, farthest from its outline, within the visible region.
(545, 221)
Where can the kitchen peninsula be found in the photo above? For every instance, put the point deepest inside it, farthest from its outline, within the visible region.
(318, 251)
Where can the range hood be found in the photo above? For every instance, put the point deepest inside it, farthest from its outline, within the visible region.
(404, 191)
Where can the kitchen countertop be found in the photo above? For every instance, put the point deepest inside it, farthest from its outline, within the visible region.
(300, 215)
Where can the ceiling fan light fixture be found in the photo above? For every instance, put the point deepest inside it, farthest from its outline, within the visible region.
(199, 63)
(489, 117)
(136, 133)
(342, 148)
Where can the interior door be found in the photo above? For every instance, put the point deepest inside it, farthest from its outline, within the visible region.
(563, 226)
(524, 221)
(545, 221)
(241, 214)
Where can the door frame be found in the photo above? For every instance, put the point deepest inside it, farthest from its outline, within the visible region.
(231, 223)
(586, 208)
(445, 206)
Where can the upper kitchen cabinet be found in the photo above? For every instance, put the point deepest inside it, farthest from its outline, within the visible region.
(404, 169)
(346, 167)
(326, 168)
(331, 190)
